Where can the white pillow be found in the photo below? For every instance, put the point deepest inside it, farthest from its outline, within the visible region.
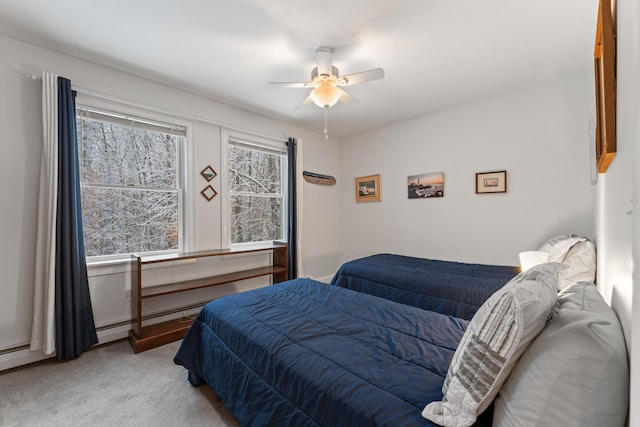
(497, 335)
(581, 262)
(578, 253)
(575, 373)
(558, 247)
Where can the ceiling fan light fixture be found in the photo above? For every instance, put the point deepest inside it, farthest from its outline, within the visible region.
(325, 95)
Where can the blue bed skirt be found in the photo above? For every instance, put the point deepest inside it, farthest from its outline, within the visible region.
(453, 288)
(303, 353)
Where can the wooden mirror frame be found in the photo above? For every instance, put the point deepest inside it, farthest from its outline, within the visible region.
(605, 78)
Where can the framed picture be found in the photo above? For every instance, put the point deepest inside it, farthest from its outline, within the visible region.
(426, 185)
(368, 188)
(208, 173)
(491, 182)
(209, 193)
(604, 58)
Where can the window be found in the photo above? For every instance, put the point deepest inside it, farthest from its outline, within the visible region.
(257, 184)
(130, 183)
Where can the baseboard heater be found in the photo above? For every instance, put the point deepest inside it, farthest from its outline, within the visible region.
(121, 324)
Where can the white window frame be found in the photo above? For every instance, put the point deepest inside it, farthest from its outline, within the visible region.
(228, 137)
(152, 118)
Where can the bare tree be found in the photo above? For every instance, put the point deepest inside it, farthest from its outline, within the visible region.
(130, 195)
(129, 192)
(255, 181)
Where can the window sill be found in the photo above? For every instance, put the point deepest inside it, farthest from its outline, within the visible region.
(116, 266)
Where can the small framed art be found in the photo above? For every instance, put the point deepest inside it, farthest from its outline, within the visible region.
(426, 185)
(368, 189)
(491, 182)
(209, 193)
(208, 173)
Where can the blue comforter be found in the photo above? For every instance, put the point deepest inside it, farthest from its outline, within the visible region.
(303, 353)
(453, 288)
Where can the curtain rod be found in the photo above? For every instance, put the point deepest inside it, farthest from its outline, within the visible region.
(185, 116)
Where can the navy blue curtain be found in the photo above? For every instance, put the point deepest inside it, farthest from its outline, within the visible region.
(75, 327)
(292, 217)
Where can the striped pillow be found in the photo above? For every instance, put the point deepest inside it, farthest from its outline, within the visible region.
(498, 334)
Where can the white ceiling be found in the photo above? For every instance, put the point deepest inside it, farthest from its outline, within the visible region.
(435, 53)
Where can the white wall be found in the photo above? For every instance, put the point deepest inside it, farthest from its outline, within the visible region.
(321, 204)
(615, 187)
(539, 135)
(617, 201)
(20, 147)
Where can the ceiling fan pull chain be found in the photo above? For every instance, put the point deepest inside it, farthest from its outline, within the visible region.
(326, 113)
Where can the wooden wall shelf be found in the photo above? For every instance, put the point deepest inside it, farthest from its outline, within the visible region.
(144, 338)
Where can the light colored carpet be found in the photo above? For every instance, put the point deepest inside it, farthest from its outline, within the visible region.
(109, 386)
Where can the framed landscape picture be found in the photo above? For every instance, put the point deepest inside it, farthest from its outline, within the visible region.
(426, 185)
(368, 189)
(491, 182)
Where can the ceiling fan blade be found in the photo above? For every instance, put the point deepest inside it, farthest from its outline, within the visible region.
(292, 84)
(324, 59)
(305, 102)
(347, 98)
(364, 76)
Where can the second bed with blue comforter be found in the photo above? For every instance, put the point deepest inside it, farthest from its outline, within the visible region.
(447, 287)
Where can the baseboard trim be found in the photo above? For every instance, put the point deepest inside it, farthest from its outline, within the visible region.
(21, 355)
(324, 279)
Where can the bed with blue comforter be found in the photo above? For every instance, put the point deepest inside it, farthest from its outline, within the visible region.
(447, 287)
(304, 353)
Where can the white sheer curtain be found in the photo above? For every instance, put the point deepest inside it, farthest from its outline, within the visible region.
(43, 333)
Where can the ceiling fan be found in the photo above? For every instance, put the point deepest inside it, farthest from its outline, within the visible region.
(326, 82)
